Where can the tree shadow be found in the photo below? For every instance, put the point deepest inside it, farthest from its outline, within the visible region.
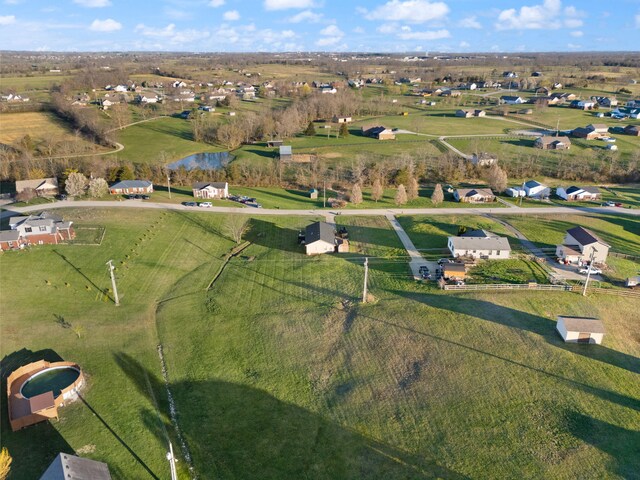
(512, 318)
(35, 447)
(262, 153)
(620, 443)
(237, 431)
(270, 235)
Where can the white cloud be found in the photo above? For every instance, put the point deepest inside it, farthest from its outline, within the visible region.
(412, 11)
(464, 44)
(426, 35)
(93, 3)
(388, 28)
(173, 36)
(548, 15)
(332, 30)
(577, 33)
(7, 19)
(231, 15)
(286, 4)
(328, 41)
(573, 46)
(469, 22)
(176, 14)
(216, 3)
(287, 34)
(306, 16)
(108, 25)
(638, 20)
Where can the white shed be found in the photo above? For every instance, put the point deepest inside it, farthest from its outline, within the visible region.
(580, 329)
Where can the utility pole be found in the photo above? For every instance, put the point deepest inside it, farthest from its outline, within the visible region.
(172, 462)
(366, 278)
(586, 282)
(113, 282)
(324, 194)
(169, 185)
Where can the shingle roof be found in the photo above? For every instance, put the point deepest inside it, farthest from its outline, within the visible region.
(470, 192)
(319, 231)
(131, 184)
(36, 183)
(584, 236)
(475, 243)
(582, 324)
(70, 467)
(532, 184)
(9, 235)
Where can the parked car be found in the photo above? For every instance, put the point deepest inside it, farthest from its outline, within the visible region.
(609, 204)
(423, 269)
(145, 197)
(205, 204)
(190, 204)
(444, 260)
(61, 196)
(594, 271)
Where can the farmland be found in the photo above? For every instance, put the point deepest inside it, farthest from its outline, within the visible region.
(277, 370)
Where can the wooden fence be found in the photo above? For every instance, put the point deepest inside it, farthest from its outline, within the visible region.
(507, 286)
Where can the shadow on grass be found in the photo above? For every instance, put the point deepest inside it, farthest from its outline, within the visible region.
(262, 153)
(35, 447)
(78, 270)
(512, 318)
(270, 235)
(237, 431)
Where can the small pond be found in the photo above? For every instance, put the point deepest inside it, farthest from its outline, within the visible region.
(203, 161)
(54, 379)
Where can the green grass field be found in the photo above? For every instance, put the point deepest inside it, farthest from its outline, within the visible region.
(277, 371)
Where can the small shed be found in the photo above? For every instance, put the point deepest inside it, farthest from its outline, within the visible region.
(313, 194)
(275, 143)
(633, 282)
(456, 271)
(580, 329)
(286, 155)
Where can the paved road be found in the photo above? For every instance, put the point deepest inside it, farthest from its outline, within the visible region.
(11, 211)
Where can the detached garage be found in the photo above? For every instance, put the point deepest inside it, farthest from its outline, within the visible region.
(580, 329)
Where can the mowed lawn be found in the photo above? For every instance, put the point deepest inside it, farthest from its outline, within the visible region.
(277, 371)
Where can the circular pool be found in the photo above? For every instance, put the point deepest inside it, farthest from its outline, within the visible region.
(53, 379)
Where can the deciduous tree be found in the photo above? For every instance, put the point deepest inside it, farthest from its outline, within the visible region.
(356, 194)
(75, 184)
(5, 463)
(377, 191)
(98, 187)
(311, 130)
(235, 227)
(497, 178)
(437, 197)
(412, 191)
(401, 195)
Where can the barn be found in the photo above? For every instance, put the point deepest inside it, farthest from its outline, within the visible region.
(580, 329)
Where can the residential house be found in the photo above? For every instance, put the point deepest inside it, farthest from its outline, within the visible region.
(337, 119)
(564, 96)
(13, 98)
(127, 187)
(515, 192)
(147, 97)
(67, 466)
(542, 91)
(40, 229)
(509, 74)
(582, 104)
(574, 193)
(535, 189)
(511, 100)
(633, 104)
(313, 193)
(473, 195)
(379, 132)
(329, 90)
(210, 189)
(632, 130)
(479, 113)
(479, 244)
(120, 88)
(581, 246)
(464, 113)
(454, 271)
(81, 99)
(537, 74)
(179, 84)
(580, 329)
(556, 86)
(450, 93)
(43, 187)
(285, 154)
(606, 101)
(591, 132)
(320, 237)
(10, 240)
(483, 159)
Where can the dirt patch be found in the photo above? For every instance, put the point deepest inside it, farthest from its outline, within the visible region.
(86, 449)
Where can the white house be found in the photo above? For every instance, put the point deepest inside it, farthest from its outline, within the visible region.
(536, 189)
(319, 238)
(473, 195)
(43, 187)
(479, 244)
(337, 119)
(211, 190)
(511, 100)
(580, 245)
(120, 88)
(580, 329)
(515, 192)
(147, 98)
(578, 193)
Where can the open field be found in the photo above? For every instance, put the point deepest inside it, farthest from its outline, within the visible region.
(277, 371)
(35, 82)
(44, 128)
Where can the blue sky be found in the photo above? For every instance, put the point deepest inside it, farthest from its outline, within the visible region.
(320, 25)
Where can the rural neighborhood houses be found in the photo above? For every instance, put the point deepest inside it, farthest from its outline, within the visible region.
(127, 187)
(379, 132)
(511, 100)
(44, 228)
(211, 190)
(580, 329)
(574, 193)
(580, 246)
(473, 195)
(43, 187)
(552, 143)
(536, 189)
(479, 244)
(320, 237)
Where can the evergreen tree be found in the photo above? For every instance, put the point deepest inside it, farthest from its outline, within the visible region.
(344, 130)
(311, 130)
(412, 191)
(401, 195)
(377, 191)
(356, 194)
(437, 197)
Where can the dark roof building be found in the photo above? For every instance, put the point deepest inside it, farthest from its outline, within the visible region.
(70, 467)
(584, 236)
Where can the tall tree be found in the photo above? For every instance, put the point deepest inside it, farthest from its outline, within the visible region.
(412, 190)
(311, 130)
(344, 130)
(98, 187)
(377, 191)
(75, 184)
(437, 197)
(356, 194)
(236, 226)
(401, 195)
(497, 178)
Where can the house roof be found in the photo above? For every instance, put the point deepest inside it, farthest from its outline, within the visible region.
(510, 97)
(320, 231)
(546, 139)
(454, 267)
(470, 192)
(591, 189)
(533, 184)
(131, 184)
(584, 236)
(37, 184)
(9, 235)
(201, 185)
(70, 467)
(598, 126)
(483, 243)
(582, 324)
(573, 189)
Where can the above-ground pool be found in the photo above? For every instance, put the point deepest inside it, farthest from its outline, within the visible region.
(52, 379)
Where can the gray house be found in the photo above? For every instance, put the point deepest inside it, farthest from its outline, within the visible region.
(579, 245)
(70, 467)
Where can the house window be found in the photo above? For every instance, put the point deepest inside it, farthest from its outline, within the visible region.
(10, 244)
(43, 229)
(27, 229)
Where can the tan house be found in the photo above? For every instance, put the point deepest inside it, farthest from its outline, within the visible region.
(43, 187)
(464, 113)
(479, 244)
(580, 246)
(473, 195)
(210, 190)
(552, 143)
(319, 238)
(337, 119)
(580, 329)
(126, 187)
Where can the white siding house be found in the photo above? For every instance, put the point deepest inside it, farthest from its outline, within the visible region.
(580, 329)
(579, 245)
(319, 238)
(479, 244)
(211, 190)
